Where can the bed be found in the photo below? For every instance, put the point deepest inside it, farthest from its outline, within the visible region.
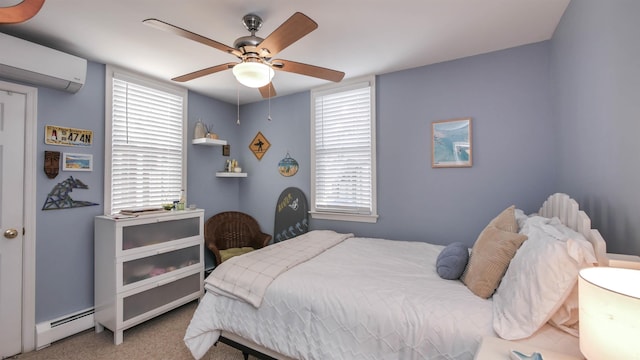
(326, 295)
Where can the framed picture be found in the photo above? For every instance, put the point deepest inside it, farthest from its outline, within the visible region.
(451, 143)
(77, 162)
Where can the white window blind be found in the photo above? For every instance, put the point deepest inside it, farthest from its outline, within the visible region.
(147, 149)
(344, 150)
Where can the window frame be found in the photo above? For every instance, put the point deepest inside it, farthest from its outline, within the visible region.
(332, 89)
(110, 73)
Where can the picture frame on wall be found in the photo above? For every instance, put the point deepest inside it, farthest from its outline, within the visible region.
(451, 144)
(77, 162)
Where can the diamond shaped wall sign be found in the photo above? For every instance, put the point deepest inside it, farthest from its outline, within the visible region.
(259, 145)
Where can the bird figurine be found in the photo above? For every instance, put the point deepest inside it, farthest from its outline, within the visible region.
(517, 355)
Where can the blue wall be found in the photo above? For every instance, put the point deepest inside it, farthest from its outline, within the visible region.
(553, 116)
(64, 239)
(506, 93)
(204, 189)
(595, 52)
(288, 132)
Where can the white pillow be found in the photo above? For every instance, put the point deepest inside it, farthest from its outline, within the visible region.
(540, 278)
(566, 317)
(521, 218)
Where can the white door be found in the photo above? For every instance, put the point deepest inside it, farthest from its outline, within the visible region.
(12, 132)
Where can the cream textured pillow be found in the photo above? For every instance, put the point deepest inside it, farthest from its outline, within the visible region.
(506, 220)
(490, 257)
(540, 284)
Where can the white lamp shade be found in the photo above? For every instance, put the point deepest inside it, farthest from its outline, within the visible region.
(253, 74)
(609, 313)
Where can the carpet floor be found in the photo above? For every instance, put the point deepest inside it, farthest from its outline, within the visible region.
(158, 339)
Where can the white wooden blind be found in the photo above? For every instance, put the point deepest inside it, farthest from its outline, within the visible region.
(343, 150)
(147, 146)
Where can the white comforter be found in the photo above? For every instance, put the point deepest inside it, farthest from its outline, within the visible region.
(361, 299)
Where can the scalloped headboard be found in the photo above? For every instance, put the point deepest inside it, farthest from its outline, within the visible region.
(567, 210)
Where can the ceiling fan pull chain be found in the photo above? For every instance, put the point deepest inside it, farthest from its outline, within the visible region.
(238, 93)
(269, 116)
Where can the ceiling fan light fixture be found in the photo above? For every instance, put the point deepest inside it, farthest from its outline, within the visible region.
(253, 74)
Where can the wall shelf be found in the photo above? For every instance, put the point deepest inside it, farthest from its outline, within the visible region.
(230, 174)
(209, 142)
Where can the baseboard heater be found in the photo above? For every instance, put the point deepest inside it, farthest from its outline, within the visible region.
(60, 328)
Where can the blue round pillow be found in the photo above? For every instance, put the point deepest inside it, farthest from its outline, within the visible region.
(452, 261)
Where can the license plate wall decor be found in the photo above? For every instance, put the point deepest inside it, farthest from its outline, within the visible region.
(57, 135)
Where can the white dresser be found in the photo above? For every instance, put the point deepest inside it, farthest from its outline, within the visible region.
(145, 266)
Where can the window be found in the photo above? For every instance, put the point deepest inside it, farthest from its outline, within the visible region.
(343, 171)
(145, 150)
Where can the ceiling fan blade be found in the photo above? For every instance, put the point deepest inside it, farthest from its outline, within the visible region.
(204, 72)
(306, 69)
(161, 25)
(292, 30)
(268, 91)
(20, 12)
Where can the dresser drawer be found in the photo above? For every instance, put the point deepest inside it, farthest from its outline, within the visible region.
(136, 237)
(159, 296)
(163, 262)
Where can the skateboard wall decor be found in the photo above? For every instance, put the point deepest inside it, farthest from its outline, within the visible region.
(292, 215)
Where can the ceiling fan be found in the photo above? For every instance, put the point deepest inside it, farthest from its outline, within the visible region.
(256, 66)
(20, 12)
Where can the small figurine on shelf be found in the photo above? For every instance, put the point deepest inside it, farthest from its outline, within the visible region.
(231, 165)
(236, 167)
(200, 130)
(210, 133)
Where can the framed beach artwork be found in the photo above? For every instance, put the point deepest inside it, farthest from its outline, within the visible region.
(77, 162)
(451, 143)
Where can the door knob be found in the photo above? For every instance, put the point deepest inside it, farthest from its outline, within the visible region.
(11, 233)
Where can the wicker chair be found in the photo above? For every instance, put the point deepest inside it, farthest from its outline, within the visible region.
(235, 231)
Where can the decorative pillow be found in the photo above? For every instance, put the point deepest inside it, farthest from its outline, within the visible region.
(506, 220)
(541, 277)
(581, 251)
(452, 261)
(490, 257)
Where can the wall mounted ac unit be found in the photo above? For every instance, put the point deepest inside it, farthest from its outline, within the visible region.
(35, 64)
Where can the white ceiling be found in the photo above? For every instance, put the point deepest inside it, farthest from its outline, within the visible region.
(359, 37)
